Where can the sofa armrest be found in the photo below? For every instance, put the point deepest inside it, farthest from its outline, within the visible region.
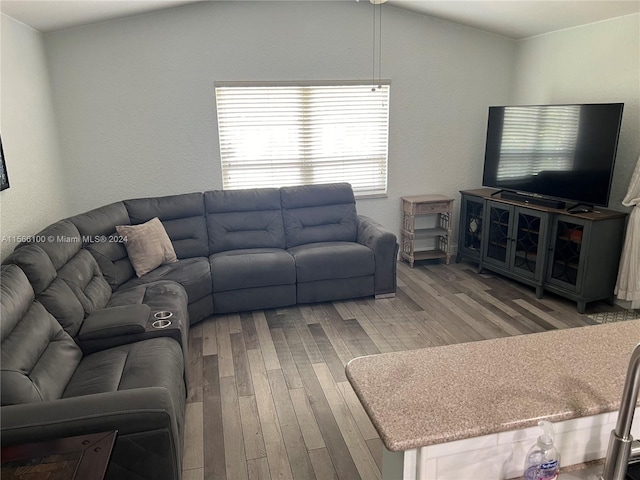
(144, 417)
(385, 249)
(115, 321)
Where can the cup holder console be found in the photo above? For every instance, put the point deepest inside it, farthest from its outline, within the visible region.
(162, 319)
(161, 323)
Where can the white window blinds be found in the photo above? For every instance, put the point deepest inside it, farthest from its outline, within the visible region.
(538, 139)
(273, 136)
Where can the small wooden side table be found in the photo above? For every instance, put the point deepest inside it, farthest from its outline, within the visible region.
(419, 205)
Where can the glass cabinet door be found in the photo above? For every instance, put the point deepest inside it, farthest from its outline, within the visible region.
(564, 263)
(498, 235)
(471, 231)
(530, 238)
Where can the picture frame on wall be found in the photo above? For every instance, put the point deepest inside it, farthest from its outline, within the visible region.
(4, 178)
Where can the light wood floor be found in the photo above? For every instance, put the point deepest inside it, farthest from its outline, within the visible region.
(270, 399)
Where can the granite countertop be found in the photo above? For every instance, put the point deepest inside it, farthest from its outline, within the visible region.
(436, 395)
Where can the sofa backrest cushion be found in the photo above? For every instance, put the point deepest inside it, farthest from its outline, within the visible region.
(98, 230)
(53, 292)
(36, 265)
(319, 213)
(37, 357)
(241, 219)
(182, 217)
(85, 280)
(60, 240)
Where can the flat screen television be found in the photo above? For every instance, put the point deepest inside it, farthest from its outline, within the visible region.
(560, 151)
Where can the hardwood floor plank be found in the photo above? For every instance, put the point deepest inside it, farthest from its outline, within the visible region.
(335, 339)
(213, 440)
(209, 337)
(306, 419)
(225, 355)
(269, 355)
(287, 363)
(193, 437)
(274, 443)
(331, 359)
(235, 324)
(251, 430)
(356, 444)
(375, 447)
(366, 315)
(322, 465)
(249, 332)
(472, 306)
(194, 388)
(357, 411)
(529, 305)
(291, 432)
(335, 443)
(235, 457)
(241, 364)
(258, 469)
(193, 474)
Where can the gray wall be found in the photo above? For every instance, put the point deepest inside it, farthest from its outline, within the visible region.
(135, 102)
(36, 196)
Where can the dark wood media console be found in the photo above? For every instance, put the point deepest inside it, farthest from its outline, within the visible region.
(575, 255)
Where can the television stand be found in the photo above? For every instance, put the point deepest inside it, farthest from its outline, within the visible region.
(532, 199)
(574, 255)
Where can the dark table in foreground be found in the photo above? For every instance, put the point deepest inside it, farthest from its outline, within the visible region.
(85, 457)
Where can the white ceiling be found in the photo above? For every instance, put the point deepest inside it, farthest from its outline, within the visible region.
(523, 18)
(515, 19)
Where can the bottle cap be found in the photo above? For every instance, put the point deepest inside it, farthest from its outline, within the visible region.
(546, 439)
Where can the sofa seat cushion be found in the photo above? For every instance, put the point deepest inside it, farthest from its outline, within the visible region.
(160, 295)
(249, 268)
(329, 260)
(194, 274)
(157, 362)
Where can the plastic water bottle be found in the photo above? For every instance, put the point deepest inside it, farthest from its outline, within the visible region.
(543, 460)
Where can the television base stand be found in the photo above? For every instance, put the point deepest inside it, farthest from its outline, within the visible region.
(533, 199)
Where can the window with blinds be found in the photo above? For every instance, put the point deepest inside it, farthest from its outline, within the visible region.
(281, 135)
(538, 139)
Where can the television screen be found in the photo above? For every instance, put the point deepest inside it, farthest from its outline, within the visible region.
(559, 151)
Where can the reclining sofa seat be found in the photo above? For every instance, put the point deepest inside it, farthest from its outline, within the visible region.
(68, 282)
(321, 225)
(249, 265)
(182, 217)
(49, 389)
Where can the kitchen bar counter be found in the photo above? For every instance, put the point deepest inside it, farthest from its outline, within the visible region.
(437, 395)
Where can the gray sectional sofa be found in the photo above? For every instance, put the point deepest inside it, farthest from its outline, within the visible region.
(80, 352)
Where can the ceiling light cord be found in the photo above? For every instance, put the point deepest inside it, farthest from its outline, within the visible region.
(377, 42)
(380, 48)
(373, 59)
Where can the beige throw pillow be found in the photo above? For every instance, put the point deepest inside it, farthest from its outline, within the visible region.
(148, 245)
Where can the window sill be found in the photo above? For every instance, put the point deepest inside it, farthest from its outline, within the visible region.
(365, 196)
